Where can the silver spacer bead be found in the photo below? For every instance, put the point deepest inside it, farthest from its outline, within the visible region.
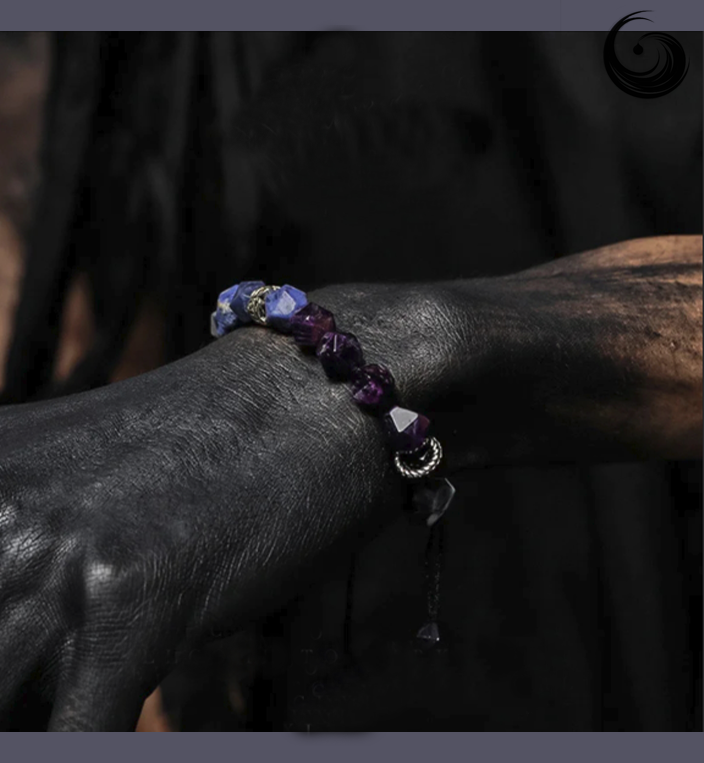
(256, 306)
(424, 460)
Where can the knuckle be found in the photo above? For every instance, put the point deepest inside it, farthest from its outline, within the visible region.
(107, 579)
(124, 587)
(109, 589)
(102, 578)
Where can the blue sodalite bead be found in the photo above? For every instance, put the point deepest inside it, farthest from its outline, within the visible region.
(238, 304)
(223, 320)
(225, 298)
(281, 304)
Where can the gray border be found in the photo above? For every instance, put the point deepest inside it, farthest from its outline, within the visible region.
(382, 15)
(387, 746)
(490, 15)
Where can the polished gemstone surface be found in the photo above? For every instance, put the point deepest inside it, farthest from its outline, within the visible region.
(373, 387)
(281, 305)
(340, 355)
(310, 324)
(222, 322)
(406, 430)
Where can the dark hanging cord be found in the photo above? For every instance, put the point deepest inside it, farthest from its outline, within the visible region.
(429, 634)
(433, 569)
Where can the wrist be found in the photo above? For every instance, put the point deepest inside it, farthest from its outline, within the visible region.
(493, 363)
(435, 338)
(419, 331)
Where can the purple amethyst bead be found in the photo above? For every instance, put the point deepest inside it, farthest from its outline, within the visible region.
(340, 355)
(281, 305)
(310, 324)
(373, 387)
(241, 298)
(406, 430)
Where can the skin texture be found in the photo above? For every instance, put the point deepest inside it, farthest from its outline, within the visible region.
(144, 518)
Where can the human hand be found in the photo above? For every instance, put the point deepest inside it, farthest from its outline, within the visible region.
(139, 520)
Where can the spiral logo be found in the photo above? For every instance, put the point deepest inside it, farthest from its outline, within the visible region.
(663, 77)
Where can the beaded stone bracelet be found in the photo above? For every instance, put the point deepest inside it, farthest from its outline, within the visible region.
(287, 309)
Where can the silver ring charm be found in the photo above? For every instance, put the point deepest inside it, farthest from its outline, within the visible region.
(423, 461)
(256, 306)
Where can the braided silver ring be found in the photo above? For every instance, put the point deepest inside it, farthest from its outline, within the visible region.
(256, 306)
(427, 458)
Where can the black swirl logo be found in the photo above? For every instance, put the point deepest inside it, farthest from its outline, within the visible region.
(668, 71)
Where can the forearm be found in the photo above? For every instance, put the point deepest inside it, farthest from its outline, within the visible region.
(618, 362)
(594, 356)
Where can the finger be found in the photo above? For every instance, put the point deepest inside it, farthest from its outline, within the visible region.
(24, 647)
(29, 710)
(98, 695)
(14, 677)
(15, 668)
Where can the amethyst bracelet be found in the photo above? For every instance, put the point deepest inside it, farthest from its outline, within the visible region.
(287, 310)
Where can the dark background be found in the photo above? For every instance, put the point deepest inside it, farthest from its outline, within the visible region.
(175, 164)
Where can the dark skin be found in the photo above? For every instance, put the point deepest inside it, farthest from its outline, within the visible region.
(142, 519)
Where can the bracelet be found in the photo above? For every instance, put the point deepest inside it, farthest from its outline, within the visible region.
(416, 454)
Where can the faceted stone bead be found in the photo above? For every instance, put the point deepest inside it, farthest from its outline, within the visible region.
(340, 355)
(405, 429)
(431, 498)
(225, 298)
(241, 298)
(281, 304)
(373, 388)
(222, 322)
(429, 633)
(310, 324)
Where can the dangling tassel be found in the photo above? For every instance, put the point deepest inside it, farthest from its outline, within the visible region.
(429, 501)
(429, 634)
